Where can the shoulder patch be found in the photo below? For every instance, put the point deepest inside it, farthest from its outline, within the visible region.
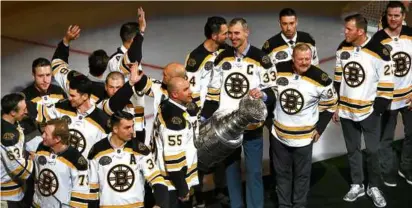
(176, 120)
(324, 77)
(385, 51)
(266, 45)
(259, 56)
(82, 163)
(191, 62)
(172, 116)
(265, 59)
(319, 76)
(9, 136)
(143, 149)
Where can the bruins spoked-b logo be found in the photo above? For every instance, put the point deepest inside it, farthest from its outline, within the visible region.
(402, 62)
(77, 140)
(291, 101)
(47, 182)
(120, 178)
(236, 85)
(354, 74)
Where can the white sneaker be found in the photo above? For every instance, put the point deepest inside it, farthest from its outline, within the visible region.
(355, 192)
(376, 196)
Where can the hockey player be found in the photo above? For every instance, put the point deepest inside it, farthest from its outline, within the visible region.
(364, 81)
(199, 63)
(86, 122)
(62, 72)
(128, 32)
(396, 38)
(306, 101)
(119, 166)
(61, 170)
(173, 135)
(41, 90)
(199, 67)
(238, 70)
(280, 47)
(14, 167)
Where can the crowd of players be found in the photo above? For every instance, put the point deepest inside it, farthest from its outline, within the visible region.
(93, 150)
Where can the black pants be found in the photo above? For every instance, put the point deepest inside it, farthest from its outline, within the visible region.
(174, 201)
(293, 166)
(387, 156)
(17, 204)
(352, 131)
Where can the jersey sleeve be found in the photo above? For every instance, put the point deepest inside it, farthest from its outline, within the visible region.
(94, 184)
(80, 195)
(152, 175)
(338, 72)
(15, 164)
(328, 104)
(60, 66)
(213, 92)
(315, 57)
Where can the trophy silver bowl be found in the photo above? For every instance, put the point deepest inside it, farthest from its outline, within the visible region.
(221, 134)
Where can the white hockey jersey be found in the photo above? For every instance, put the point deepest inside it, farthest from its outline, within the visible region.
(115, 62)
(279, 48)
(118, 175)
(14, 168)
(174, 148)
(233, 77)
(362, 75)
(85, 128)
(401, 53)
(300, 100)
(199, 67)
(62, 179)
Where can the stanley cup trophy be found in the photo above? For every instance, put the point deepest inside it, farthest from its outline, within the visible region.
(220, 135)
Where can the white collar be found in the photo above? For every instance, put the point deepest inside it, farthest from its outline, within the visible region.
(123, 49)
(177, 104)
(287, 40)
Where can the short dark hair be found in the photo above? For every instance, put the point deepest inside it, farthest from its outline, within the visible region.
(117, 116)
(98, 62)
(396, 4)
(212, 25)
(240, 20)
(81, 84)
(360, 20)
(287, 12)
(39, 62)
(128, 31)
(10, 102)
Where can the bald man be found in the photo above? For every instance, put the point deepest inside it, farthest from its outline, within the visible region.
(175, 154)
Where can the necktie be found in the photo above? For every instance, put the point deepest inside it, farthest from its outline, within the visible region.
(292, 43)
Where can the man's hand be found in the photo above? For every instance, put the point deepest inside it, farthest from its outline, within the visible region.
(335, 117)
(73, 32)
(141, 19)
(135, 74)
(315, 136)
(186, 198)
(409, 101)
(256, 93)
